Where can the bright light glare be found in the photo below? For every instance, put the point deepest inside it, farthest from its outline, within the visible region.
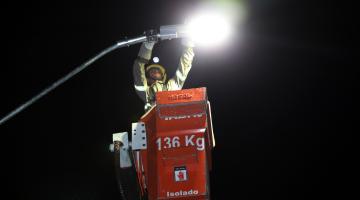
(209, 29)
(156, 59)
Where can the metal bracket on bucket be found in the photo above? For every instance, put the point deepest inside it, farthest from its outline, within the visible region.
(138, 136)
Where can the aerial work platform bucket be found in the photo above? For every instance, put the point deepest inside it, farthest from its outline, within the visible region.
(171, 146)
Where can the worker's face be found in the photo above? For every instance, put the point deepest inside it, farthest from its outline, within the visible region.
(155, 74)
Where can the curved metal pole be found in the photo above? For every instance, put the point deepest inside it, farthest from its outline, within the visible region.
(78, 69)
(166, 33)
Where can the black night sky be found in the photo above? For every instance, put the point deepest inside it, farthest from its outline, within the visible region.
(281, 95)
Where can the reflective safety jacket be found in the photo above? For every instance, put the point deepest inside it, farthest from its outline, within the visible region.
(147, 92)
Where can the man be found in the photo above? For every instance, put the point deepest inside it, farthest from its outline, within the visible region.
(149, 79)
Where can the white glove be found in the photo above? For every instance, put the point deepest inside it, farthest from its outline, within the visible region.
(149, 45)
(146, 50)
(187, 42)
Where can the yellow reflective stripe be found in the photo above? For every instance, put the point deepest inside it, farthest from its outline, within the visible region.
(139, 88)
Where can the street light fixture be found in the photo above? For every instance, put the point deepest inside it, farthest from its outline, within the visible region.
(204, 29)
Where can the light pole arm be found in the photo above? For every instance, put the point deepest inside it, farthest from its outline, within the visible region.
(129, 42)
(166, 33)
